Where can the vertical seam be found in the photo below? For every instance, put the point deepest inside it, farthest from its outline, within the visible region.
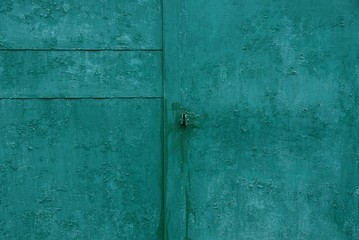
(164, 160)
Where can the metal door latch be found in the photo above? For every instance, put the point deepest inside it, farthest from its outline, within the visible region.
(183, 120)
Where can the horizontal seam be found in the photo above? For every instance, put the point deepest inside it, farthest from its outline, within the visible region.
(77, 50)
(75, 98)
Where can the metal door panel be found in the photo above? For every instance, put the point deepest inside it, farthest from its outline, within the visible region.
(270, 146)
(79, 74)
(80, 169)
(76, 24)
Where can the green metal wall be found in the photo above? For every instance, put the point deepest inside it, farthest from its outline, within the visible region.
(91, 97)
(81, 119)
(270, 88)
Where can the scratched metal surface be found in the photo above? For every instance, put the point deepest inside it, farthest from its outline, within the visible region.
(270, 88)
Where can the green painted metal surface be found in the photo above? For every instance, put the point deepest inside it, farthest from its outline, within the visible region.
(81, 120)
(270, 89)
(72, 169)
(92, 145)
(80, 74)
(74, 24)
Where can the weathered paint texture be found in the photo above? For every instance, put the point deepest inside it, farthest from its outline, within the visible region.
(90, 24)
(80, 169)
(272, 152)
(81, 119)
(92, 145)
(80, 74)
